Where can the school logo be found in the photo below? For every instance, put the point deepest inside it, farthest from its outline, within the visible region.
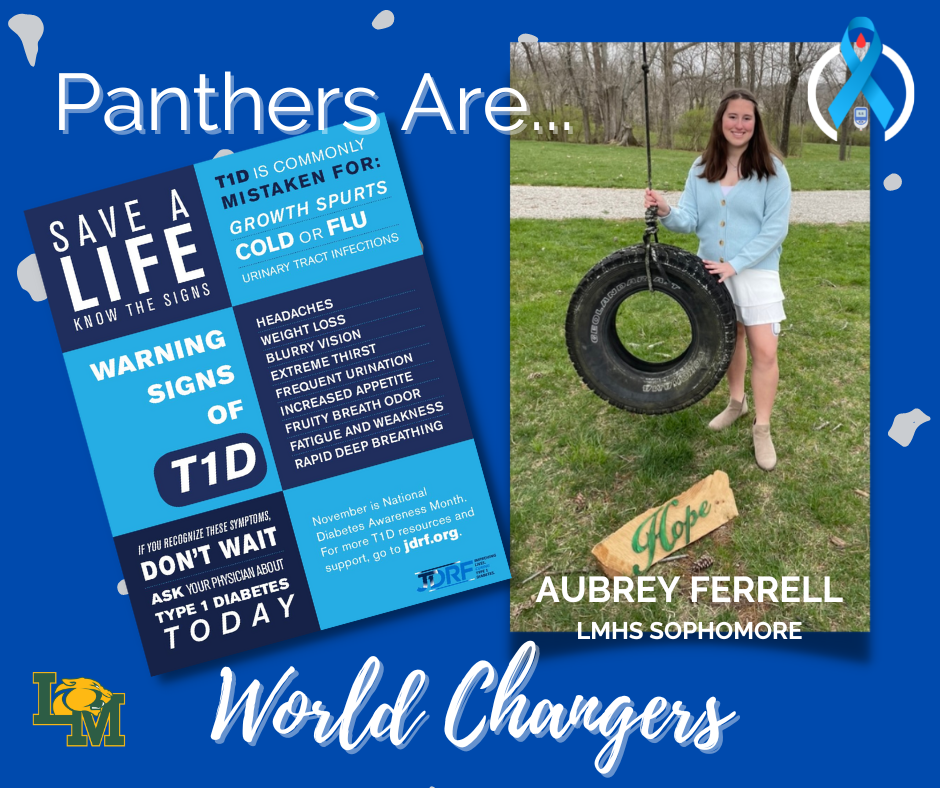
(860, 55)
(92, 712)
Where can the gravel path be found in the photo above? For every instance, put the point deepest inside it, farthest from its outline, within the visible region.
(569, 202)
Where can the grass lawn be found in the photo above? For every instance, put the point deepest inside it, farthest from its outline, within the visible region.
(611, 166)
(580, 468)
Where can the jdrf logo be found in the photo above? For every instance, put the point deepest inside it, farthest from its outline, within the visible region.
(439, 577)
(93, 712)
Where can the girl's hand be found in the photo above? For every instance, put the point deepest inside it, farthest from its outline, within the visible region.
(723, 270)
(652, 198)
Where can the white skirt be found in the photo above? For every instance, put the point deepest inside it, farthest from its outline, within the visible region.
(757, 296)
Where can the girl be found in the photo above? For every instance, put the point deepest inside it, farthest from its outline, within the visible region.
(737, 200)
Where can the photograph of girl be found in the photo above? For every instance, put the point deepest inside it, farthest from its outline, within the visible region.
(689, 293)
(737, 201)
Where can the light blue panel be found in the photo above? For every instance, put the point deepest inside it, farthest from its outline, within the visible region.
(373, 505)
(127, 433)
(312, 231)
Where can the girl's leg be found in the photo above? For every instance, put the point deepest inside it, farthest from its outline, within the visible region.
(738, 367)
(762, 343)
(736, 407)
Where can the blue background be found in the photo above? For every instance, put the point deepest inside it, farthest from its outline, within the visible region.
(830, 709)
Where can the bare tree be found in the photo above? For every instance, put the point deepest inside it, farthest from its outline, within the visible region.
(602, 88)
(760, 72)
(796, 71)
(609, 89)
(580, 95)
(844, 126)
(550, 104)
(599, 86)
(670, 50)
(630, 79)
(539, 103)
(665, 134)
(751, 65)
(592, 86)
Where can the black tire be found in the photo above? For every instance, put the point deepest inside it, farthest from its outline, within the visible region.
(624, 380)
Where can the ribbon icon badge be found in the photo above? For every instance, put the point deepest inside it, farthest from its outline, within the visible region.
(861, 81)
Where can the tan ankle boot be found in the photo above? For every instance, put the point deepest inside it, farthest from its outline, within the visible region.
(729, 415)
(764, 451)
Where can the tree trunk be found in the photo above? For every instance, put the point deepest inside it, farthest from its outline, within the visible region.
(600, 87)
(665, 136)
(796, 71)
(627, 139)
(737, 64)
(844, 128)
(760, 72)
(591, 82)
(608, 103)
(703, 83)
(751, 65)
(722, 60)
(579, 94)
(548, 81)
(843, 137)
(538, 103)
(669, 53)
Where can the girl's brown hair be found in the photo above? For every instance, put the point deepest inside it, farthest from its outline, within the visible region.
(756, 157)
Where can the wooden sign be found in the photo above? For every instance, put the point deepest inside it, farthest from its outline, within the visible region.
(664, 529)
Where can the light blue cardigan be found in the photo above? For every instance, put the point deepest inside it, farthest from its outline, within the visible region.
(746, 228)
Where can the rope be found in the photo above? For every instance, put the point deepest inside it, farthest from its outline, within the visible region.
(652, 221)
(646, 106)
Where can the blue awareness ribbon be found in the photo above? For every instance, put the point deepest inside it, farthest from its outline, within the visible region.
(861, 81)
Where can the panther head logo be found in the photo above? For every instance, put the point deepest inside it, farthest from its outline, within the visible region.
(79, 695)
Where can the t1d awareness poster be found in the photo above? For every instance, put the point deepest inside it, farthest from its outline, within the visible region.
(339, 446)
(332, 455)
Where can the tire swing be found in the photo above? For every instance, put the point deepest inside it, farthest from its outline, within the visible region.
(596, 350)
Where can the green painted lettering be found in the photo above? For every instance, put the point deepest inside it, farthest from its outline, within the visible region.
(691, 518)
(655, 528)
(676, 535)
(650, 546)
(663, 529)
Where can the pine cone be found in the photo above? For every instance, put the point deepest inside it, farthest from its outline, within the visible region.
(580, 502)
(703, 563)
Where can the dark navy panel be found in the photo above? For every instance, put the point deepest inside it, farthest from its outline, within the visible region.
(210, 470)
(216, 577)
(352, 372)
(151, 296)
